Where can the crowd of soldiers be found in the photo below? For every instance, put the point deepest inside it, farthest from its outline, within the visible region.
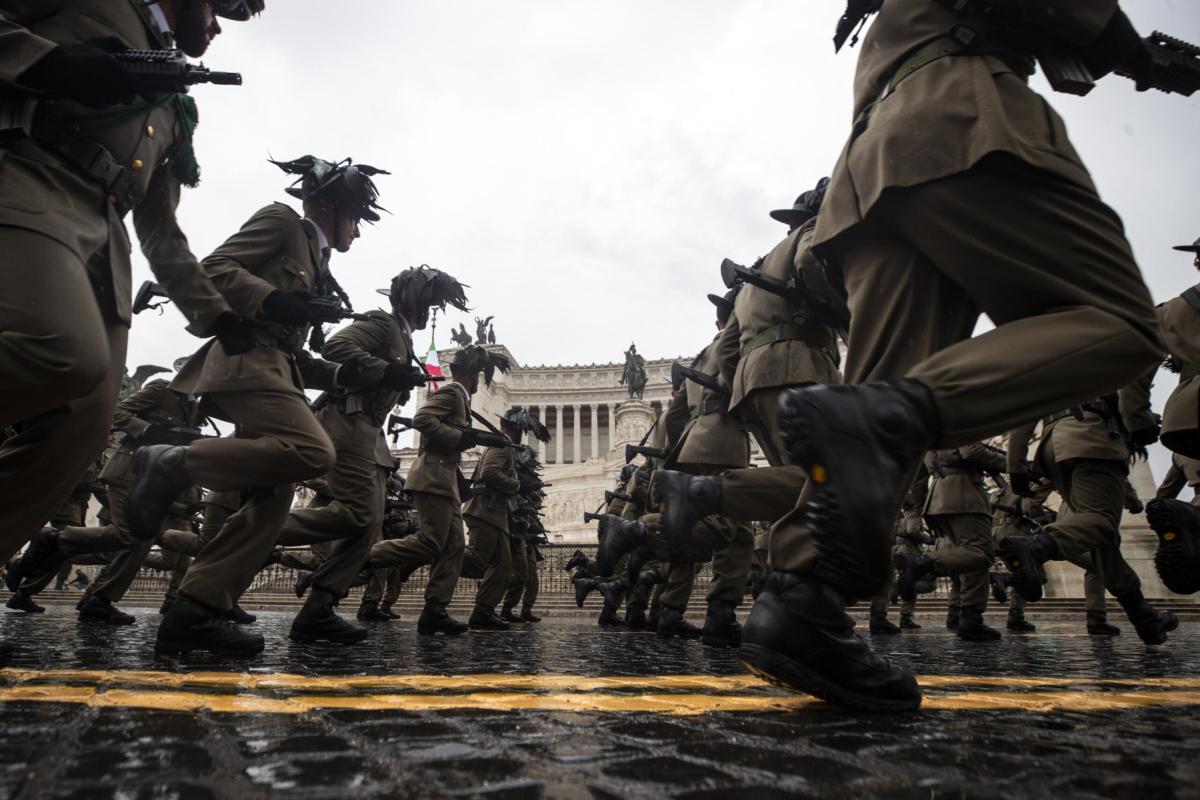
(846, 352)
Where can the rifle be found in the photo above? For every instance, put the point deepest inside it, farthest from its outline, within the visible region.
(164, 434)
(853, 20)
(610, 496)
(808, 304)
(168, 71)
(485, 438)
(320, 310)
(679, 373)
(632, 451)
(1176, 67)
(146, 293)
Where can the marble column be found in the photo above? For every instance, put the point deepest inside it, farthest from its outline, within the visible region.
(612, 425)
(577, 434)
(558, 433)
(595, 431)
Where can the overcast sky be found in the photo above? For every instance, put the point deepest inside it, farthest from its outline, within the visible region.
(585, 166)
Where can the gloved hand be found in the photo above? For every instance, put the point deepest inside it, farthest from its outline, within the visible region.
(87, 72)
(235, 333)
(1118, 45)
(286, 308)
(467, 440)
(1022, 483)
(348, 374)
(529, 485)
(1144, 437)
(401, 377)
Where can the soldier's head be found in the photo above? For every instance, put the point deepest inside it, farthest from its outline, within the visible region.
(337, 197)
(805, 208)
(417, 290)
(521, 421)
(194, 23)
(468, 362)
(724, 304)
(1194, 249)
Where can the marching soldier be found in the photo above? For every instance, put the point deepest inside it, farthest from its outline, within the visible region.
(1183, 472)
(270, 270)
(102, 143)
(957, 193)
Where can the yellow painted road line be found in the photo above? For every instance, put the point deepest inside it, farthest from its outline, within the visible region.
(669, 704)
(524, 683)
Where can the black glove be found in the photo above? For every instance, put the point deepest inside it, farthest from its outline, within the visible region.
(468, 440)
(528, 485)
(348, 374)
(1118, 45)
(235, 333)
(85, 71)
(286, 308)
(1022, 483)
(401, 377)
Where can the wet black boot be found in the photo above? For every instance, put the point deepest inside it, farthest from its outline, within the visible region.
(303, 580)
(507, 614)
(910, 569)
(653, 616)
(999, 584)
(672, 624)
(484, 618)
(100, 609)
(159, 476)
(1025, 557)
(577, 561)
(880, 625)
(369, 611)
(799, 636)
(620, 537)
(434, 620)
(613, 592)
(318, 622)
(908, 623)
(527, 615)
(635, 616)
(721, 628)
(1098, 625)
(972, 627)
(386, 610)
(238, 616)
(189, 626)
(608, 617)
(685, 500)
(39, 557)
(1017, 622)
(1177, 525)
(1152, 626)
(858, 444)
(583, 587)
(953, 613)
(23, 601)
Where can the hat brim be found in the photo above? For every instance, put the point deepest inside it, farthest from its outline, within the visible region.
(789, 216)
(384, 292)
(1187, 248)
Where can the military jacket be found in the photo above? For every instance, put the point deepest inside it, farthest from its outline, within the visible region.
(957, 485)
(1181, 331)
(275, 249)
(354, 420)
(154, 403)
(1184, 471)
(800, 353)
(497, 471)
(439, 422)
(945, 117)
(43, 191)
(712, 437)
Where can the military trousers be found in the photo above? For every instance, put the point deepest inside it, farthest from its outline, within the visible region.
(353, 520)
(218, 506)
(488, 557)
(383, 586)
(760, 494)
(440, 543)
(759, 412)
(727, 544)
(277, 441)
(965, 550)
(61, 362)
(1044, 258)
(118, 575)
(523, 583)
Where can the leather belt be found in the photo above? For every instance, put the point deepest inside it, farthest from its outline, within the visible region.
(787, 331)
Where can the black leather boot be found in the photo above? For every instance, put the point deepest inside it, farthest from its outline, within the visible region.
(369, 611)
(1017, 622)
(189, 625)
(1098, 625)
(1177, 525)
(799, 636)
(527, 615)
(672, 624)
(434, 620)
(721, 628)
(858, 444)
(23, 601)
(620, 537)
(652, 616)
(608, 618)
(507, 614)
(613, 592)
(1025, 557)
(386, 610)
(583, 587)
(41, 556)
(685, 500)
(880, 625)
(910, 568)
(577, 561)
(908, 623)
(100, 609)
(1152, 626)
(953, 613)
(238, 616)
(304, 580)
(484, 618)
(999, 584)
(972, 627)
(159, 476)
(635, 616)
(318, 622)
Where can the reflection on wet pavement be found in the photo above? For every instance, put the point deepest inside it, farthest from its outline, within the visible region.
(564, 709)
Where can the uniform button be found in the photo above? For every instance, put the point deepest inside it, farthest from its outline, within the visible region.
(112, 199)
(137, 165)
(301, 273)
(150, 131)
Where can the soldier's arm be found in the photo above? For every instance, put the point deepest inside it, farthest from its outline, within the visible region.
(496, 473)
(1018, 447)
(315, 372)
(1134, 400)
(1078, 22)
(728, 350)
(232, 265)
(356, 342)
(986, 459)
(20, 48)
(675, 419)
(171, 259)
(1172, 483)
(428, 419)
(127, 416)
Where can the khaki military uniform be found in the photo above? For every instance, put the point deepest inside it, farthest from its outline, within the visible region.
(960, 193)
(523, 583)
(65, 313)
(433, 482)
(1184, 471)
(489, 554)
(277, 439)
(1181, 415)
(358, 479)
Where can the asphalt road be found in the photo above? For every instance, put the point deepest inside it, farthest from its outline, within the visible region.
(564, 709)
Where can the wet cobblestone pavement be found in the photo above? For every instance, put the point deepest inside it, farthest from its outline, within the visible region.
(538, 712)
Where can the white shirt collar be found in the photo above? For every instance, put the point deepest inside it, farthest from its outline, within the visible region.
(321, 240)
(159, 17)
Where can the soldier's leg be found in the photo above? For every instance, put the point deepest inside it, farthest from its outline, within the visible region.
(488, 557)
(443, 573)
(519, 576)
(760, 494)
(359, 488)
(878, 622)
(434, 513)
(392, 593)
(533, 583)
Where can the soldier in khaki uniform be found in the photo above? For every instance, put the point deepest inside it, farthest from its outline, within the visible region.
(270, 269)
(444, 423)
(380, 345)
(96, 150)
(1183, 472)
(957, 193)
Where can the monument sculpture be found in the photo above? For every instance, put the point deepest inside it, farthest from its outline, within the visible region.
(633, 377)
(460, 336)
(481, 329)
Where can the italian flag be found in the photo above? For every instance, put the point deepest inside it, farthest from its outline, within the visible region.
(431, 360)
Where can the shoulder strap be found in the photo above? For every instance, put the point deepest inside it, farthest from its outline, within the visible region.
(1192, 298)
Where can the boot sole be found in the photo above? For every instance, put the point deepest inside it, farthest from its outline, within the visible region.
(309, 638)
(1175, 525)
(784, 672)
(1027, 582)
(183, 648)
